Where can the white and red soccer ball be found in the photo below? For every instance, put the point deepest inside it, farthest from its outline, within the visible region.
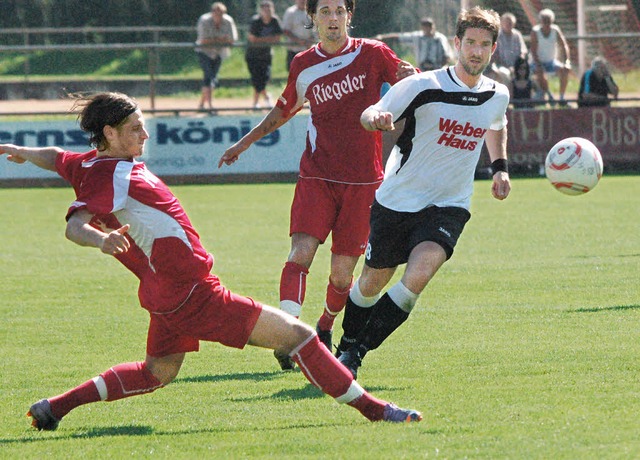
(574, 166)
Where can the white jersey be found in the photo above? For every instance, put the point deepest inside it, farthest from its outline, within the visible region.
(434, 160)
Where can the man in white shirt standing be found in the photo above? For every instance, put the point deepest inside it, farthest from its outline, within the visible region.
(216, 31)
(298, 29)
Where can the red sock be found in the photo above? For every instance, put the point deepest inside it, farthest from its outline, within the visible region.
(121, 381)
(335, 302)
(323, 370)
(129, 379)
(293, 285)
(370, 407)
(82, 394)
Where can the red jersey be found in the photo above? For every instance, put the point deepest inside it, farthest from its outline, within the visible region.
(339, 87)
(166, 253)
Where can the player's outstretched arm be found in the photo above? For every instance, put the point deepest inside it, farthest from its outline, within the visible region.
(80, 232)
(272, 121)
(43, 157)
(372, 119)
(497, 146)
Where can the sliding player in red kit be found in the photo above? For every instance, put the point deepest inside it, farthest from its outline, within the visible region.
(341, 166)
(127, 212)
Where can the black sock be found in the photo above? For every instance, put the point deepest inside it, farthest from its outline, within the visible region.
(354, 321)
(385, 318)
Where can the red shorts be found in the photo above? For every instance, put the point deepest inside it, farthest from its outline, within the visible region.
(321, 207)
(212, 313)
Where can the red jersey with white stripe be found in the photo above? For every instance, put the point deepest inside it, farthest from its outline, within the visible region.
(338, 88)
(166, 253)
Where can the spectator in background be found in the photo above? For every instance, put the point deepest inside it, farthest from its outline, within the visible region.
(431, 48)
(596, 84)
(546, 41)
(215, 29)
(510, 46)
(264, 30)
(297, 27)
(521, 85)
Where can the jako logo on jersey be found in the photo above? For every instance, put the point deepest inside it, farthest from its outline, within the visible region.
(322, 93)
(440, 229)
(451, 129)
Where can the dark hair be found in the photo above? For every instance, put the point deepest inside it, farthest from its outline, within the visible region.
(521, 62)
(478, 18)
(312, 6)
(100, 110)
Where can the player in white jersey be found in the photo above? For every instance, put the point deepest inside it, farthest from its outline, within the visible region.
(423, 203)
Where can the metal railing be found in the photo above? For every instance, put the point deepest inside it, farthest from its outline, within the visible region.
(156, 45)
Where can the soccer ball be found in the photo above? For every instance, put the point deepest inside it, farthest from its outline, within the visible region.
(573, 166)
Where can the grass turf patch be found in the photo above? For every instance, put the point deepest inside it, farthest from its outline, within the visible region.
(523, 346)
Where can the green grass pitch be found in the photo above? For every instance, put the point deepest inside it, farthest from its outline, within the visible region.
(524, 346)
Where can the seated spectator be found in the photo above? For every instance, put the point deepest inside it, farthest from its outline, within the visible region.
(596, 84)
(521, 85)
(509, 47)
(431, 48)
(499, 74)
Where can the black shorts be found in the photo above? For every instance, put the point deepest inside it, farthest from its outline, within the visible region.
(394, 234)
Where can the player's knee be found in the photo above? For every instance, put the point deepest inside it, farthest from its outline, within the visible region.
(164, 370)
(341, 280)
(298, 333)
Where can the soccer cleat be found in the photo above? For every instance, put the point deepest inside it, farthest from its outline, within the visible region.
(343, 346)
(325, 337)
(352, 360)
(285, 361)
(43, 418)
(393, 413)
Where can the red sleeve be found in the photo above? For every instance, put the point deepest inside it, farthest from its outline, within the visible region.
(389, 59)
(288, 101)
(69, 166)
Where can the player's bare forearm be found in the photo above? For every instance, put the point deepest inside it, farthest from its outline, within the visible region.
(496, 141)
(271, 122)
(43, 157)
(497, 146)
(82, 233)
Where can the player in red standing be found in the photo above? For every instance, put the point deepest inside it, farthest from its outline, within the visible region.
(341, 166)
(125, 211)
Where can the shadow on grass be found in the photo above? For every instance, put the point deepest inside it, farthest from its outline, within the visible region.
(255, 376)
(145, 430)
(590, 256)
(603, 309)
(93, 432)
(308, 392)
